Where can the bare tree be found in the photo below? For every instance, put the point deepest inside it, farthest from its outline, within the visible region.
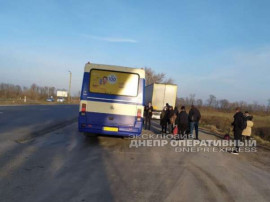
(192, 98)
(212, 101)
(35, 92)
(224, 104)
(243, 104)
(168, 81)
(152, 77)
(180, 102)
(10, 90)
(255, 106)
(199, 102)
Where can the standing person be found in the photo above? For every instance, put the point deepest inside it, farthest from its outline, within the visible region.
(148, 110)
(171, 120)
(194, 119)
(182, 122)
(168, 116)
(248, 131)
(239, 124)
(163, 120)
(176, 111)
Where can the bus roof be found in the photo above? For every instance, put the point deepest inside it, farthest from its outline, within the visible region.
(89, 66)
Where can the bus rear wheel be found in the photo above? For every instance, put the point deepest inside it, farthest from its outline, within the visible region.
(89, 134)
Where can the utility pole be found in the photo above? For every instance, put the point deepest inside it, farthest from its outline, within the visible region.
(69, 96)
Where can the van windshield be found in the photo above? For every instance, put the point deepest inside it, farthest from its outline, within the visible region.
(114, 82)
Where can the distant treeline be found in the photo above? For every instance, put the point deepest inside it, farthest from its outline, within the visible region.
(222, 104)
(34, 92)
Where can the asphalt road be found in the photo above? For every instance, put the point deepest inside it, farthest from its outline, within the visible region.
(66, 166)
(17, 122)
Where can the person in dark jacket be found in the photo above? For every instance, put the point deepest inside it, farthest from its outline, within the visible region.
(148, 110)
(182, 122)
(238, 127)
(194, 119)
(163, 120)
(168, 115)
(176, 112)
(171, 119)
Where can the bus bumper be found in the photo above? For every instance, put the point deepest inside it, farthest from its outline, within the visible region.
(122, 130)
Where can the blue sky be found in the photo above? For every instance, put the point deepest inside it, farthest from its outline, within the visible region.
(208, 47)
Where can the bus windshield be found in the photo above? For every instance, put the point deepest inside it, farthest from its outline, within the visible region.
(114, 82)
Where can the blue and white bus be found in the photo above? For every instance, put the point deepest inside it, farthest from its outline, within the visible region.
(112, 100)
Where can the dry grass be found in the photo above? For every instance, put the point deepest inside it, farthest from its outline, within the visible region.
(218, 121)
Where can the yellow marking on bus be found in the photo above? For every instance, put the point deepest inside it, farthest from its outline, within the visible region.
(111, 129)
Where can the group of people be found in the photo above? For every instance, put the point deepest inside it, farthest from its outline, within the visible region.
(242, 127)
(172, 118)
(185, 123)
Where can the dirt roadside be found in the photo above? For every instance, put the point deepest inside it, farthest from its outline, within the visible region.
(65, 166)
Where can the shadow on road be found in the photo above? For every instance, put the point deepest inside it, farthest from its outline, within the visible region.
(62, 166)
